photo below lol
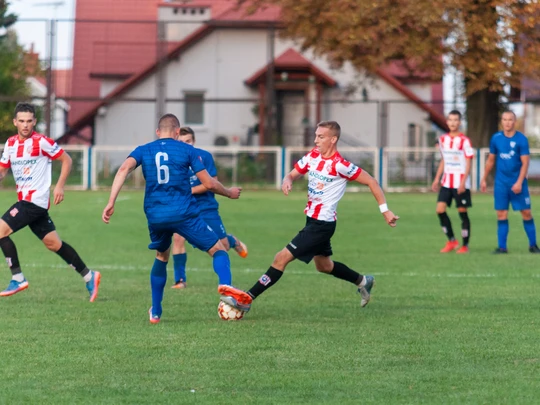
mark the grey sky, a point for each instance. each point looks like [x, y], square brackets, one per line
[35, 32]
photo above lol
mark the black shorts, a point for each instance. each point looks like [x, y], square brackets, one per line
[313, 240]
[24, 213]
[446, 195]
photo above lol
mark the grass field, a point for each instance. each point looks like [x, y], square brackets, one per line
[441, 329]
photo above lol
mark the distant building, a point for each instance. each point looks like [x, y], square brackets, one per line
[213, 52]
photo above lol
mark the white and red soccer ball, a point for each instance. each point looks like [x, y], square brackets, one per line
[228, 313]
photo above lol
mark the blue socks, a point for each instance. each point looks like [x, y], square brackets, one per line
[158, 279]
[232, 241]
[530, 230]
[222, 267]
[502, 232]
[180, 267]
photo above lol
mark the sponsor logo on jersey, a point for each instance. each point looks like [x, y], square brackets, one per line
[22, 162]
[507, 156]
[22, 178]
[27, 171]
[320, 186]
[315, 192]
[321, 177]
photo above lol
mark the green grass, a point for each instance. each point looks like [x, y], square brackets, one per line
[441, 329]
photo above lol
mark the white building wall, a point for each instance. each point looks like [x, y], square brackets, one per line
[219, 64]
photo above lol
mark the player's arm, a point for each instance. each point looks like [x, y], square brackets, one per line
[3, 172]
[66, 162]
[525, 160]
[212, 184]
[490, 162]
[436, 181]
[286, 185]
[462, 185]
[366, 179]
[200, 189]
[127, 167]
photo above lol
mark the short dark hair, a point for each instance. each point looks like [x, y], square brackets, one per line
[333, 125]
[455, 112]
[187, 131]
[507, 111]
[169, 119]
[24, 107]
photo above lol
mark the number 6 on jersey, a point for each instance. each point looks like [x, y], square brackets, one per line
[162, 169]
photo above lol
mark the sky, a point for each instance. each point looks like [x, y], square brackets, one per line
[35, 32]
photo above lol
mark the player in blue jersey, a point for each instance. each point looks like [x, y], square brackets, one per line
[209, 213]
[509, 150]
[169, 205]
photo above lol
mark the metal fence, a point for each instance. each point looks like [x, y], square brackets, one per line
[254, 168]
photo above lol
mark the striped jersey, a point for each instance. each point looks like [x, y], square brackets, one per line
[166, 167]
[327, 179]
[30, 161]
[455, 151]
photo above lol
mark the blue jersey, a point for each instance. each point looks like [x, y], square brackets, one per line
[206, 201]
[166, 165]
[508, 152]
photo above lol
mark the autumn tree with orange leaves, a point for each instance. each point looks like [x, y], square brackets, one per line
[494, 44]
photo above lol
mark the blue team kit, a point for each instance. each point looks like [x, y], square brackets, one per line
[168, 203]
[508, 152]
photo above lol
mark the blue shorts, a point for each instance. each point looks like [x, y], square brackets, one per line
[213, 220]
[194, 230]
[504, 196]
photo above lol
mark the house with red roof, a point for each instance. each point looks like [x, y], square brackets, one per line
[212, 65]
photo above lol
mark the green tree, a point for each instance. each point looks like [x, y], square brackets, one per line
[493, 43]
[13, 72]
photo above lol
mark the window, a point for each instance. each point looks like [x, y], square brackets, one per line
[414, 135]
[194, 108]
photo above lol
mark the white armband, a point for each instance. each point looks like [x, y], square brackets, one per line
[383, 208]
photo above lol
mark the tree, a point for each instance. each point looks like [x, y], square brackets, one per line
[493, 43]
[13, 72]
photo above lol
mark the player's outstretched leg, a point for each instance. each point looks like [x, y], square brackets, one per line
[235, 297]
[339, 270]
[180, 261]
[365, 290]
[222, 267]
[72, 258]
[18, 283]
[238, 245]
[158, 279]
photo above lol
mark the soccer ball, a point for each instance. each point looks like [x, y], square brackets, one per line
[228, 313]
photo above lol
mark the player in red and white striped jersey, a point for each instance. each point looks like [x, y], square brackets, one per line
[455, 168]
[328, 173]
[29, 155]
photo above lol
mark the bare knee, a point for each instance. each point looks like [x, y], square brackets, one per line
[441, 208]
[179, 244]
[218, 246]
[52, 241]
[282, 258]
[163, 256]
[502, 215]
[526, 215]
[225, 243]
[325, 265]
